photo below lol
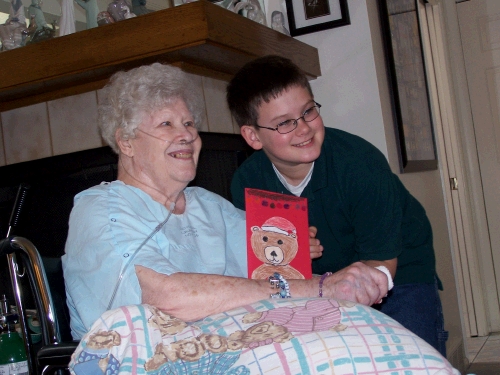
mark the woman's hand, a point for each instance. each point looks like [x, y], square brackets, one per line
[315, 247]
[357, 283]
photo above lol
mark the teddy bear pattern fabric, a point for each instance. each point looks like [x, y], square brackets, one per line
[287, 336]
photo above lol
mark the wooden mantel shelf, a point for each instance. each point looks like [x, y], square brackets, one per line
[201, 37]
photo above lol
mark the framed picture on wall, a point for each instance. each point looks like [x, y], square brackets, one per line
[309, 16]
[410, 94]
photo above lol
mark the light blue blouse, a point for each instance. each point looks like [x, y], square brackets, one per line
[109, 222]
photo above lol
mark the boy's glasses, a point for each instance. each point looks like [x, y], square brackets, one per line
[288, 126]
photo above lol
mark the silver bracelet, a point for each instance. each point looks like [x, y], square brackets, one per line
[278, 282]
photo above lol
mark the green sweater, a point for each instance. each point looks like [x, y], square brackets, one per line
[361, 209]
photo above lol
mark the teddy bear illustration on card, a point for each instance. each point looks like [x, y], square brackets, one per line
[275, 244]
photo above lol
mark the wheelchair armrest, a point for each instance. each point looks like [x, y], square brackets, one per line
[56, 354]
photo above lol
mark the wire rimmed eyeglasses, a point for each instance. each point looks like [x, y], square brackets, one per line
[288, 126]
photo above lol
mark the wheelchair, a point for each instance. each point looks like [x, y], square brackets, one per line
[54, 353]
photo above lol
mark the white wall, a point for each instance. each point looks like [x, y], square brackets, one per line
[348, 88]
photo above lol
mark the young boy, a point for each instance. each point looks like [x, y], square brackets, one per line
[365, 218]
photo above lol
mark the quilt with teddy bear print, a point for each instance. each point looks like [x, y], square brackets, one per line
[276, 336]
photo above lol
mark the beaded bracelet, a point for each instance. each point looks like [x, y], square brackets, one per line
[278, 282]
[323, 277]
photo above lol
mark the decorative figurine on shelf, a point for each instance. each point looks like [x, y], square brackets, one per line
[35, 34]
[228, 4]
[11, 31]
[120, 10]
[67, 23]
[37, 21]
[139, 7]
[91, 11]
[104, 18]
[35, 9]
[255, 13]
[278, 22]
[28, 32]
[251, 9]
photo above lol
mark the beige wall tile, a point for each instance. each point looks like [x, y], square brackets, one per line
[2, 149]
[218, 115]
[73, 123]
[26, 133]
[99, 95]
[199, 83]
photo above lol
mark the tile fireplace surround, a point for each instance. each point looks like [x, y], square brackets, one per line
[69, 124]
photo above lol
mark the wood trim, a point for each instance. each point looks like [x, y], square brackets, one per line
[204, 36]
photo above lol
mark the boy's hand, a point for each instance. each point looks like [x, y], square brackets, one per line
[314, 244]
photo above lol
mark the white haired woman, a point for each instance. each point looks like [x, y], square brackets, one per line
[147, 237]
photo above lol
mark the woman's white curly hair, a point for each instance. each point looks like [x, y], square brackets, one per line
[131, 95]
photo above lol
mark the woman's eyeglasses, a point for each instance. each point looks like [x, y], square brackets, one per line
[288, 126]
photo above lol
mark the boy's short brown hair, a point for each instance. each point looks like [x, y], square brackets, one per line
[260, 80]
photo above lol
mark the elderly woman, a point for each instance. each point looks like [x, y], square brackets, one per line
[147, 237]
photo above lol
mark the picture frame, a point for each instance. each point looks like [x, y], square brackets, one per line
[309, 16]
[408, 85]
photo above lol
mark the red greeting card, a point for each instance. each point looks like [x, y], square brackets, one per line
[277, 235]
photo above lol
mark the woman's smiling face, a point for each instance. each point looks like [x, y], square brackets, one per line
[167, 146]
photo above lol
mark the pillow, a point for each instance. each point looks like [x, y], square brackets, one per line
[276, 336]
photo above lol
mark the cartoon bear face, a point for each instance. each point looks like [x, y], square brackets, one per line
[263, 331]
[273, 248]
[213, 343]
[168, 325]
[103, 339]
[189, 350]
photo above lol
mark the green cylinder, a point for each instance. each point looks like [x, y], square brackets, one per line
[12, 354]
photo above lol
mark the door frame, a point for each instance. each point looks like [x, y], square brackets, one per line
[458, 154]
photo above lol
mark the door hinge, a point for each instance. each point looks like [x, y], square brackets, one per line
[454, 183]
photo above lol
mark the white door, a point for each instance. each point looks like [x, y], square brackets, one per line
[479, 22]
